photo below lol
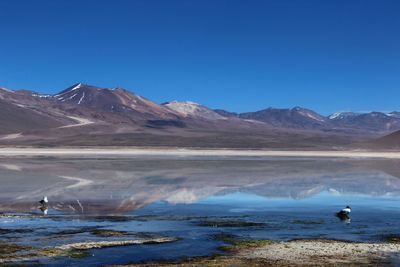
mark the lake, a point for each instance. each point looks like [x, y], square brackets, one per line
[191, 202]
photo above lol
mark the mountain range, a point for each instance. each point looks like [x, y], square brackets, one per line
[86, 115]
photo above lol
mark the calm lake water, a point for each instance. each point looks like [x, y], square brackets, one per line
[193, 199]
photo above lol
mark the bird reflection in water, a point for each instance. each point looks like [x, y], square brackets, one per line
[44, 205]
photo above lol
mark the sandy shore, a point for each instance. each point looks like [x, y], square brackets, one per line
[314, 252]
[190, 152]
[300, 253]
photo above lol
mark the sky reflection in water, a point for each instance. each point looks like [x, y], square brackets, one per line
[120, 186]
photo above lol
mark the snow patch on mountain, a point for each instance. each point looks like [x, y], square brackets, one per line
[342, 115]
[335, 115]
[41, 95]
[192, 109]
[82, 97]
[79, 85]
[394, 114]
[72, 96]
[309, 114]
[6, 90]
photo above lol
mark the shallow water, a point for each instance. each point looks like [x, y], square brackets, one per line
[193, 199]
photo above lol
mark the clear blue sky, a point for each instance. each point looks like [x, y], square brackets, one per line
[238, 55]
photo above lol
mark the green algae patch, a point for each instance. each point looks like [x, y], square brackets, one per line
[12, 253]
[392, 238]
[10, 249]
[92, 230]
[74, 231]
[55, 252]
[78, 254]
[108, 233]
[236, 244]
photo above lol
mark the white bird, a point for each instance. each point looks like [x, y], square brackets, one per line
[346, 210]
[343, 214]
[44, 201]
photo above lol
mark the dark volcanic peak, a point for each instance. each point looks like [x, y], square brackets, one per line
[72, 88]
[109, 99]
[85, 95]
[296, 117]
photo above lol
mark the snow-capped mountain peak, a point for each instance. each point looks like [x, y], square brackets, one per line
[79, 85]
[342, 115]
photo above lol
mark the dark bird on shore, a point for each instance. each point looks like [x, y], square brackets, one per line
[44, 201]
[343, 214]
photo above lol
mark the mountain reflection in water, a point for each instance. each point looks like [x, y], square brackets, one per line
[122, 185]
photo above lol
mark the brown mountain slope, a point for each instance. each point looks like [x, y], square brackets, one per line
[391, 141]
[296, 118]
[115, 100]
[15, 119]
[87, 115]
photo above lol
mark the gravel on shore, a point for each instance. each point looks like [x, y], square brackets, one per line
[299, 253]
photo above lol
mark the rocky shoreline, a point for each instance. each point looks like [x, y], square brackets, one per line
[15, 253]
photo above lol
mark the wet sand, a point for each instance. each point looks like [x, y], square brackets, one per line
[314, 252]
[115, 151]
[299, 253]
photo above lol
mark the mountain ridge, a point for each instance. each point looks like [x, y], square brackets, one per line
[117, 114]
